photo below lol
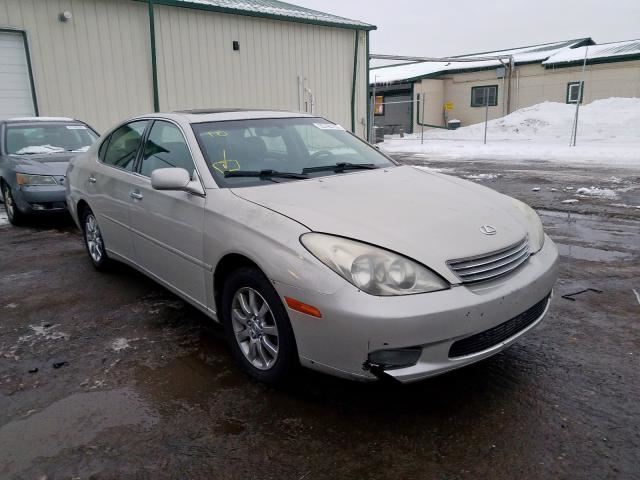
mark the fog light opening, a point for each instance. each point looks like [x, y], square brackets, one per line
[395, 358]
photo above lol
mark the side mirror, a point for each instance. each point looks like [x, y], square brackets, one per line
[175, 179]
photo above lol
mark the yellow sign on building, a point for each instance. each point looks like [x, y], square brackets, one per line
[448, 106]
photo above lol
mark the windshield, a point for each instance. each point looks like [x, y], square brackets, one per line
[33, 139]
[254, 152]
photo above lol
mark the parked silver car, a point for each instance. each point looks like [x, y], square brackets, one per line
[311, 246]
[34, 153]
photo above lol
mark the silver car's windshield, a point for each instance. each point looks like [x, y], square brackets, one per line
[35, 139]
[253, 152]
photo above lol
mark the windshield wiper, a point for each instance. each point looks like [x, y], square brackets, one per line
[264, 174]
[340, 167]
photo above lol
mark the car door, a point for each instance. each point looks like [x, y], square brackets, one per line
[167, 226]
[109, 183]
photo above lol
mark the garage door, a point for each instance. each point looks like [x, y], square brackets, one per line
[16, 99]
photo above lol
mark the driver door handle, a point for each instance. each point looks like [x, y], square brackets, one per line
[136, 195]
[92, 179]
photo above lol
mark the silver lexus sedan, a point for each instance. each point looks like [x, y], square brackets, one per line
[310, 246]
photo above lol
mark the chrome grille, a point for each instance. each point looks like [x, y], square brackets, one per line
[491, 265]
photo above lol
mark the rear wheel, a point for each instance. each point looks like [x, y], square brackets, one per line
[257, 327]
[15, 216]
[93, 240]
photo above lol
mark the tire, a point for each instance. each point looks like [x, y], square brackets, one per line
[93, 241]
[245, 325]
[15, 216]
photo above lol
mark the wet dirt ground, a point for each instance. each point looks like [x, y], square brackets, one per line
[145, 388]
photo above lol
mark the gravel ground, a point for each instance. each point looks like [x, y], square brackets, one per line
[145, 388]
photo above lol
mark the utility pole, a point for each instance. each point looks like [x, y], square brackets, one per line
[421, 106]
[486, 112]
[574, 131]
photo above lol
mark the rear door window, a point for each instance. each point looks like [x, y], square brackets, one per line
[124, 144]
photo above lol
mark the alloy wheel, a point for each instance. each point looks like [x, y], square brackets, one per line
[93, 238]
[255, 328]
[9, 204]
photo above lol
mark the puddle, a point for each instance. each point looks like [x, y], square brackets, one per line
[591, 254]
[68, 423]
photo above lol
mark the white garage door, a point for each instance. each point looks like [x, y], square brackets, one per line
[16, 99]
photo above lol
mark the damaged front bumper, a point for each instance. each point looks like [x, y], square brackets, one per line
[364, 337]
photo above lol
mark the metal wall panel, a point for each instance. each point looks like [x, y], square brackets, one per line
[97, 66]
[15, 83]
[94, 67]
[198, 68]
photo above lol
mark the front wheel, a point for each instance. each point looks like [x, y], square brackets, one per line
[93, 240]
[15, 216]
[257, 327]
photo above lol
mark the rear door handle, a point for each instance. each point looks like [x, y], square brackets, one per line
[136, 195]
[92, 179]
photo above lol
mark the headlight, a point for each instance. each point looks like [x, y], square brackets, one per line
[373, 270]
[534, 224]
[25, 179]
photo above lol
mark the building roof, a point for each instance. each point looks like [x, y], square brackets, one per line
[521, 55]
[605, 52]
[273, 9]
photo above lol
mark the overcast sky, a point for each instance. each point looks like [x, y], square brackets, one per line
[449, 27]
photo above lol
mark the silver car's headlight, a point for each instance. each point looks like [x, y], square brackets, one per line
[372, 269]
[534, 224]
[26, 179]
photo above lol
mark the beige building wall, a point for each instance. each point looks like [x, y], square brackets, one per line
[97, 66]
[197, 67]
[94, 67]
[530, 85]
[537, 84]
[457, 90]
[431, 92]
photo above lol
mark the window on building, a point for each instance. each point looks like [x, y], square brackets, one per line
[378, 108]
[166, 148]
[123, 146]
[574, 92]
[483, 95]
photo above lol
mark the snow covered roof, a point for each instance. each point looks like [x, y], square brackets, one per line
[270, 9]
[530, 54]
[604, 51]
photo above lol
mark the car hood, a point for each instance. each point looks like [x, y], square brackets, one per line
[426, 216]
[52, 164]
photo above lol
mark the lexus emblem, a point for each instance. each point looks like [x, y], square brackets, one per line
[488, 230]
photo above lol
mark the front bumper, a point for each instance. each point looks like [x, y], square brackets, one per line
[40, 198]
[354, 324]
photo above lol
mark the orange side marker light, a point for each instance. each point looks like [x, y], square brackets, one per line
[299, 306]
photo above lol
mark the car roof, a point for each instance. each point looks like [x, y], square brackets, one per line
[40, 119]
[225, 114]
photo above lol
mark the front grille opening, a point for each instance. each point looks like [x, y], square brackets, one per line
[489, 338]
[491, 265]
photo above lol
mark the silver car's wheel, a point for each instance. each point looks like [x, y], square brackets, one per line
[255, 328]
[93, 237]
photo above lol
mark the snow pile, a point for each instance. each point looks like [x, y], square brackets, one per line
[608, 133]
[597, 192]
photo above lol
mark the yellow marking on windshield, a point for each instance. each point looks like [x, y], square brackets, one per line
[226, 165]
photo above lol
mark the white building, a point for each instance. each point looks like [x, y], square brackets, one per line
[105, 60]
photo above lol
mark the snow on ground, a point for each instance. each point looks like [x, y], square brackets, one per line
[597, 192]
[4, 220]
[608, 134]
